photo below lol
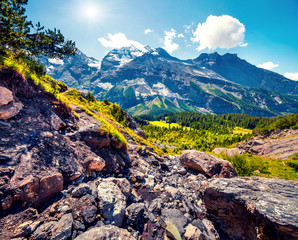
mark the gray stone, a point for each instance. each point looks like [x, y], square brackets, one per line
[176, 217]
[123, 184]
[199, 224]
[211, 231]
[81, 190]
[112, 202]
[250, 208]
[135, 214]
[106, 232]
[156, 205]
[89, 214]
[77, 225]
[63, 228]
[42, 232]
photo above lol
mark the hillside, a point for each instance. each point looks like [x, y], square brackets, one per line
[75, 168]
[150, 81]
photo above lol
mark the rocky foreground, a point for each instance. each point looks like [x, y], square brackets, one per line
[61, 179]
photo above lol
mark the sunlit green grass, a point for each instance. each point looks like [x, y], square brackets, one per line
[249, 165]
[167, 125]
[242, 130]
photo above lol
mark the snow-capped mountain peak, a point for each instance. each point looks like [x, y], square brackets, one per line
[118, 57]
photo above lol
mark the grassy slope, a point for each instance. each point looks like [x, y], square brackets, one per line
[246, 165]
[159, 106]
[177, 139]
[97, 109]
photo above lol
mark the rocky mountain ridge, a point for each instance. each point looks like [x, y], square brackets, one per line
[150, 81]
[63, 178]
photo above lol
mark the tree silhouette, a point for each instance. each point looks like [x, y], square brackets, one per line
[16, 33]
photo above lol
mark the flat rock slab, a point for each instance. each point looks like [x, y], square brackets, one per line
[253, 208]
[280, 144]
[106, 232]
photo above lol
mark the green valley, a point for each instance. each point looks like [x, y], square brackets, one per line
[174, 133]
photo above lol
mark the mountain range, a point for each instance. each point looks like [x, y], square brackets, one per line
[150, 81]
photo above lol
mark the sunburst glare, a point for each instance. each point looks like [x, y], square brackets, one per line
[91, 11]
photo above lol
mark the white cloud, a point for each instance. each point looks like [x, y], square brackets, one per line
[187, 27]
[244, 45]
[118, 40]
[148, 31]
[293, 76]
[219, 32]
[169, 45]
[268, 65]
[181, 35]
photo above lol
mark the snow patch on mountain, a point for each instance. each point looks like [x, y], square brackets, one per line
[122, 56]
[56, 61]
[95, 64]
[50, 69]
[106, 86]
[137, 81]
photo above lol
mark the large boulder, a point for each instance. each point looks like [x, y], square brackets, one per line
[10, 110]
[106, 232]
[253, 208]
[43, 231]
[5, 96]
[207, 164]
[93, 137]
[35, 190]
[49, 186]
[112, 202]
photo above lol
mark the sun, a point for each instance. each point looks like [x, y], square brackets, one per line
[90, 12]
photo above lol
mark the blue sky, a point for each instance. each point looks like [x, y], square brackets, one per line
[259, 31]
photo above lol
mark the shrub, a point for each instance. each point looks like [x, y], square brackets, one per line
[246, 164]
[164, 149]
[241, 165]
[293, 165]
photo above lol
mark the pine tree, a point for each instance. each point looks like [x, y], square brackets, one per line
[16, 33]
[13, 24]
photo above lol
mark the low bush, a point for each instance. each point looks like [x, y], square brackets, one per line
[245, 165]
